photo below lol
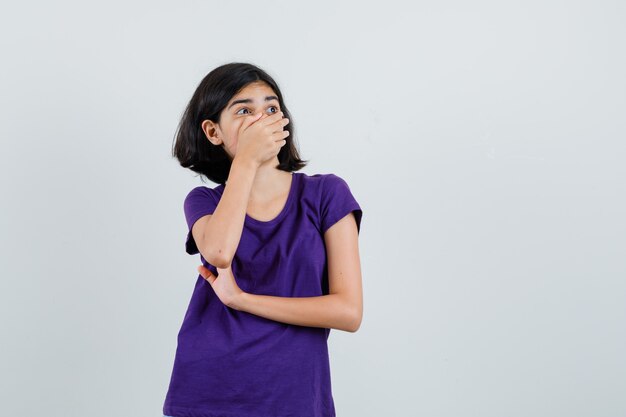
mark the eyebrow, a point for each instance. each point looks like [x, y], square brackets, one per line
[249, 100]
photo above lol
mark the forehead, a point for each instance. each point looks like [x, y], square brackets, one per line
[248, 95]
[254, 90]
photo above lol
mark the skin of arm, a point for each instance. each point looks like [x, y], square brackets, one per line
[225, 225]
[341, 309]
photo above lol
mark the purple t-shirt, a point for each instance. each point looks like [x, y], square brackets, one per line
[231, 363]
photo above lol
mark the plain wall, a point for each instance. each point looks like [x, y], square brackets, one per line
[485, 142]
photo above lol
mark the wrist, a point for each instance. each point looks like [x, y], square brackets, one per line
[243, 162]
[240, 301]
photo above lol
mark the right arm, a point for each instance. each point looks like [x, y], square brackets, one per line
[217, 236]
[225, 225]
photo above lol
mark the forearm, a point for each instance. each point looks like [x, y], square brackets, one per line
[226, 223]
[329, 311]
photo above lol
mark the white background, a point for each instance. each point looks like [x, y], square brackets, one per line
[485, 142]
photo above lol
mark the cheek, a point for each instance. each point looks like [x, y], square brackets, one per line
[229, 133]
[233, 132]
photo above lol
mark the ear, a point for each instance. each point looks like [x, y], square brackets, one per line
[212, 132]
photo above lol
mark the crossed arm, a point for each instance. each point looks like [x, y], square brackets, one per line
[341, 309]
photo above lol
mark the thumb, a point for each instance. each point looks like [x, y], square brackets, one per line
[206, 274]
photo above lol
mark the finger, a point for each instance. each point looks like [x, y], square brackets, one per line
[249, 120]
[273, 118]
[202, 271]
[280, 124]
[281, 136]
[206, 274]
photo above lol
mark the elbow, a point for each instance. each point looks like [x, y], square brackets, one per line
[222, 262]
[217, 257]
[355, 321]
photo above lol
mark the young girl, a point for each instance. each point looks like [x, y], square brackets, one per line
[280, 259]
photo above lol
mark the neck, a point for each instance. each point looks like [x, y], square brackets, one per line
[268, 181]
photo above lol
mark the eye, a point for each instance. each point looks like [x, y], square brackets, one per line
[246, 109]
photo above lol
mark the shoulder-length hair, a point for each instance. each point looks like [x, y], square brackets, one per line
[191, 146]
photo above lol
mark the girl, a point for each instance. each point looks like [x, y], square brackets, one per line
[280, 259]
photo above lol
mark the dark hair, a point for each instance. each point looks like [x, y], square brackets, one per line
[191, 146]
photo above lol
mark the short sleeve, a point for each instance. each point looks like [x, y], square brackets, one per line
[337, 202]
[199, 202]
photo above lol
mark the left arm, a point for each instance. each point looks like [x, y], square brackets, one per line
[330, 311]
[341, 309]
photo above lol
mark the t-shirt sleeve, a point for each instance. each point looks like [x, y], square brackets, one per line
[199, 202]
[337, 202]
